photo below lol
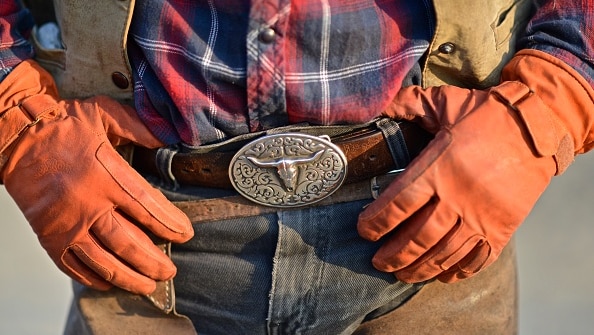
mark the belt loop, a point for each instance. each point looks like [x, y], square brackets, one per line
[163, 160]
[395, 140]
[374, 187]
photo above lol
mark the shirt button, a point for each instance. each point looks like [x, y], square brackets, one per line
[120, 80]
[267, 35]
[447, 48]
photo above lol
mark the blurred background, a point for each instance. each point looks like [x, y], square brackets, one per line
[555, 247]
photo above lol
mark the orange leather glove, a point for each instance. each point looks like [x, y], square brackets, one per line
[87, 206]
[456, 206]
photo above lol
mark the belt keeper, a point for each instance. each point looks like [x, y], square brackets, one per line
[163, 160]
[374, 187]
[395, 141]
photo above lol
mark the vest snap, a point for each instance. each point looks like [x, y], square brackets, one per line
[447, 48]
[120, 80]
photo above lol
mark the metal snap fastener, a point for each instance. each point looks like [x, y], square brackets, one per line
[120, 80]
[447, 48]
[267, 35]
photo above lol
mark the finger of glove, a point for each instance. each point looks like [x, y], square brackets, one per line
[110, 268]
[416, 104]
[79, 271]
[119, 122]
[407, 194]
[388, 212]
[133, 246]
[415, 238]
[434, 107]
[448, 254]
[144, 204]
[476, 260]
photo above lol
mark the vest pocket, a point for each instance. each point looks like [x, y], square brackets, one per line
[53, 60]
[509, 20]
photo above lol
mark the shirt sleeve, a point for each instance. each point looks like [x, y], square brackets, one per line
[15, 26]
[564, 29]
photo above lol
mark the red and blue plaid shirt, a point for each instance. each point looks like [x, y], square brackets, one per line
[222, 68]
[15, 26]
[208, 70]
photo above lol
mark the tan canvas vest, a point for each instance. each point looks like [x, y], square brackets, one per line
[94, 34]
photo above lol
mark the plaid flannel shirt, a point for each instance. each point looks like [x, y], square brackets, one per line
[207, 70]
[221, 68]
[15, 26]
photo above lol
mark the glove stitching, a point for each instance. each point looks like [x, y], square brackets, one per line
[131, 237]
[109, 273]
[411, 183]
[135, 198]
[414, 267]
[79, 252]
[587, 90]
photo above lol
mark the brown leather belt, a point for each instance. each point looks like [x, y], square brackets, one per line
[366, 151]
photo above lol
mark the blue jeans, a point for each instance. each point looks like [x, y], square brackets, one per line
[302, 271]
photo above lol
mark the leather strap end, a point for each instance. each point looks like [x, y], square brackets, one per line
[17, 119]
[548, 136]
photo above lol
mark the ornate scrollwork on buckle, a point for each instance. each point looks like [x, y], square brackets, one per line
[288, 170]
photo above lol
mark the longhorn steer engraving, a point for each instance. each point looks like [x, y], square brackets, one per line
[286, 167]
[288, 170]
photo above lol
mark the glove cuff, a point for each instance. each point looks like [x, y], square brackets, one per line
[23, 103]
[553, 101]
[547, 135]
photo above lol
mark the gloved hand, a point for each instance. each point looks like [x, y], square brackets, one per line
[456, 206]
[87, 206]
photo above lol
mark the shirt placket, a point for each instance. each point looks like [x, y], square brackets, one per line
[266, 99]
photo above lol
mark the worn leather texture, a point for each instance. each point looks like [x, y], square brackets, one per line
[566, 110]
[87, 206]
[120, 312]
[366, 151]
[482, 305]
[495, 151]
[485, 304]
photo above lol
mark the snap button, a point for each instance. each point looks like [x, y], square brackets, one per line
[267, 35]
[120, 80]
[447, 48]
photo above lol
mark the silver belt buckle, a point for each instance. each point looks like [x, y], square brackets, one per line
[288, 170]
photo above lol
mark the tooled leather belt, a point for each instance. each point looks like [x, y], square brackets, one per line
[366, 151]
